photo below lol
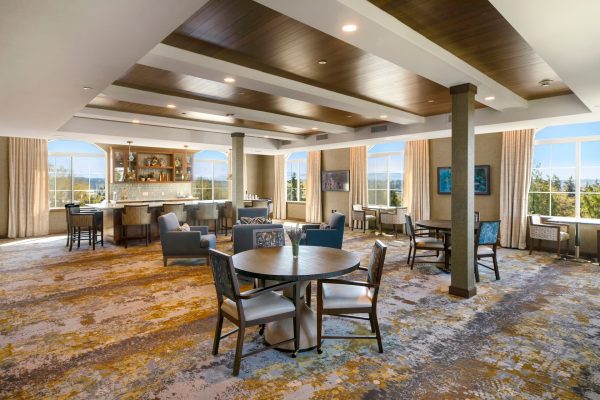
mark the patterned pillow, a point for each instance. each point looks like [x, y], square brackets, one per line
[323, 225]
[250, 220]
[183, 228]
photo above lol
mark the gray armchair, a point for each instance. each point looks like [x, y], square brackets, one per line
[177, 244]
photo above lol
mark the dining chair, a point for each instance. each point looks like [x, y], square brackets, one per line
[362, 217]
[395, 217]
[476, 216]
[68, 206]
[341, 297]
[136, 215]
[542, 230]
[251, 308]
[227, 216]
[176, 208]
[206, 214]
[424, 243]
[84, 225]
[486, 243]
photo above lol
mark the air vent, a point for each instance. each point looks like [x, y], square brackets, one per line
[379, 128]
[322, 137]
[286, 142]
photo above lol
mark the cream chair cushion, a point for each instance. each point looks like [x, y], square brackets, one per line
[429, 242]
[484, 251]
[266, 305]
[338, 296]
[564, 236]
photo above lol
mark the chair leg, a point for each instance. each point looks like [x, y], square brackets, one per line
[165, 261]
[93, 229]
[412, 262]
[146, 230]
[558, 248]
[238, 350]
[78, 237]
[496, 270]
[218, 329]
[71, 237]
[476, 269]
[364, 226]
[319, 317]
[530, 245]
[308, 294]
[396, 231]
[409, 253]
[377, 332]
[371, 321]
[125, 234]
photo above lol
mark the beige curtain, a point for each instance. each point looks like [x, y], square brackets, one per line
[28, 204]
[229, 176]
[515, 177]
[358, 177]
[246, 176]
[416, 179]
[313, 188]
[280, 194]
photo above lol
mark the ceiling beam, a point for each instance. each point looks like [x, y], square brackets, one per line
[127, 117]
[184, 103]
[382, 35]
[189, 63]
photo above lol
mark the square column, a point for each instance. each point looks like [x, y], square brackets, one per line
[463, 171]
[237, 171]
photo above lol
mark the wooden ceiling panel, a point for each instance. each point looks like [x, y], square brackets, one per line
[247, 33]
[474, 31]
[166, 82]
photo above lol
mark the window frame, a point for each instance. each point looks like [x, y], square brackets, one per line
[388, 156]
[297, 161]
[71, 156]
[198, 192]
[577, 140]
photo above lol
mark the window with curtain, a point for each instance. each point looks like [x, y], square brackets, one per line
[385, 172]
[76, 173]
[565, 176]
[295, 175]
[210, 175]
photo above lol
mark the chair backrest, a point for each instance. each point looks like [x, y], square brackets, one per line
[410, 229]
[207, 211]
[224, 275]
[476, 216]
[337, 221]
[357, 207]
[535, 219]
[252, 212]
[260, 204]
[80, 220]
[273, 237]
[396, 218]
[228, 209]
[136, 214]
[488, 232]
[376, 261]
[167, 223]
[177, 208]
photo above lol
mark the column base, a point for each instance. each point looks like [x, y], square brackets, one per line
[466, 293]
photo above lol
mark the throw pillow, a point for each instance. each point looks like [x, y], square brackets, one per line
[323, 225]
[184, 228]
[250, 220]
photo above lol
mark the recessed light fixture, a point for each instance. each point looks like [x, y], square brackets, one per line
[489, 98]
[349, 28]
[383, 116]
[314, 128]
[135, 121]
[322, 62]
[267, 137]
[349, 116]
[229, 114]
[546, 82]
[87, 88]
[242, 93]
[183, 113]
[431, 101]
[171, 106]
[229, 79]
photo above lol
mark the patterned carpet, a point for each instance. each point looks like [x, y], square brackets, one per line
[115, 323]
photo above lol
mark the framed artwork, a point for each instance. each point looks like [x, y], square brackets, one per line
[335, 181]
[482, 180]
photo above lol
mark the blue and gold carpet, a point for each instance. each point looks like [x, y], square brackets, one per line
[115, 323]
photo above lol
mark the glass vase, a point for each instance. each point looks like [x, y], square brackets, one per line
[295, 249]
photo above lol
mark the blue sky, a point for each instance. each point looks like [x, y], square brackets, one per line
[563, 154]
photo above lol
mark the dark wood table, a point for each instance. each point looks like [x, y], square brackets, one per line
[444, 226]
[278, 264]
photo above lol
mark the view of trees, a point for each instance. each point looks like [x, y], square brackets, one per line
[296, 176]
[385, 175]
[296, 190]
[85, 185]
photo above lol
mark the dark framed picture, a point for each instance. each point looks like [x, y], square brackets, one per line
[482, 180]
[335, 181]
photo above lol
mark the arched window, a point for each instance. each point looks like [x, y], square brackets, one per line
[295, 176]
[565, 175]
[76, 173]
[210, 175]
[386, 174]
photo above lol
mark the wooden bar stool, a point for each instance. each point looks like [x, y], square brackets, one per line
[176, 208]
[136, 215]
[207, 213]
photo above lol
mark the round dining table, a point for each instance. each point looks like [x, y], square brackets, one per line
[278, 263]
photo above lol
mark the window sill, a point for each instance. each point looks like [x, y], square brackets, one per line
[295, 202]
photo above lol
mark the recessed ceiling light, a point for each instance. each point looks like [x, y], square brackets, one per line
[229, 79]
[490, 98]
[349, 116]
[136, 121]
[242, 93]
[383, 116]
[267, 137]
[349, 28]
[229, 114]
[314, 128]
[171, 106]
[87, 88]
[431, 101]
[546, 82]
[322, 62]
[183, 113]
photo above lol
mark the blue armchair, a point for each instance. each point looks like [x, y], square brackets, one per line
[332, 237]
[178, 244]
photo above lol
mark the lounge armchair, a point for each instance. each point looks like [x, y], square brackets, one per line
[330, 237]
[179, 244]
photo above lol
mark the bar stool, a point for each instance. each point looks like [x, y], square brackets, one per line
[260, 204]
[227, 216]
[136, 215]
[176, 208]
[207, 212]
[84, 225]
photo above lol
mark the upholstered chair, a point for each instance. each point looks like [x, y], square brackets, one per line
[227, 216]
[331, 236]
[67, 207]
[476, 216]
[362, 217]
[252, 308]
[542, 230]
[342, 297]
[486, 242]
[260, 204]
[421, 243]
[208, 213]
[194, 243]
[136, 215]
[395, 217]
[176, 208]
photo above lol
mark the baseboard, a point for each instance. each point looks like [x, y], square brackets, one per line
[466, 293]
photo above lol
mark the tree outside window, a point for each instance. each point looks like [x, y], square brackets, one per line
[385, 174]
[296, 176]
[210, 175]
[76, 173]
